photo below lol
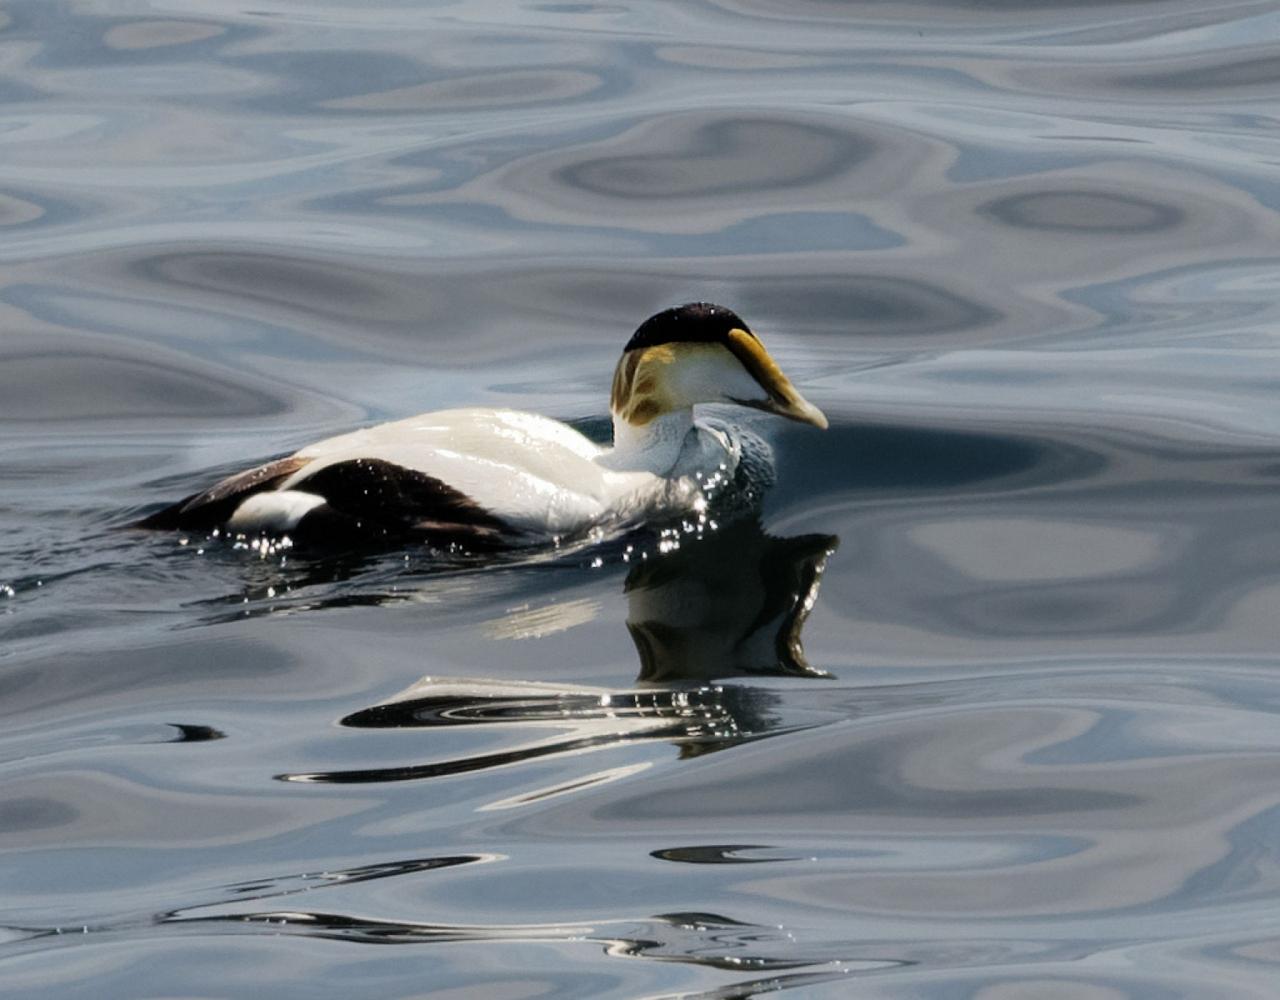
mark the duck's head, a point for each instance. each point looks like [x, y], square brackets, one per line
[701, 353]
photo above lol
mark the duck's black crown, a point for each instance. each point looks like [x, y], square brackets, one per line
[691, 323]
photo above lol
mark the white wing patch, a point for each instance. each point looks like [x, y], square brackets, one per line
[273, 510]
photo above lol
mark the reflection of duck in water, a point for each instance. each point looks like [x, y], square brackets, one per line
[730, 604]
[506, 477]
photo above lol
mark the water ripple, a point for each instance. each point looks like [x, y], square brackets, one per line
[1023, 255]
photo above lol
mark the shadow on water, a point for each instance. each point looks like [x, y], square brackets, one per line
[731, 604]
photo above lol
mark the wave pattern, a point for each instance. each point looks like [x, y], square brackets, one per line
[981, 702]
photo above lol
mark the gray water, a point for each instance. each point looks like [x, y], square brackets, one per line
[981, 703]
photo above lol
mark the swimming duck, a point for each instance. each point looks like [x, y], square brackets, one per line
[497, 476]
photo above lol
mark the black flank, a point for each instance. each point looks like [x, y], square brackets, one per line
[384, 497]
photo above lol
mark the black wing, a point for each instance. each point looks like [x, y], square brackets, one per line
[212, 507]
[362, 496]
[373, 494]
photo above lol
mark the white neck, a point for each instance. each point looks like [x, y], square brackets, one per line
[652, 447]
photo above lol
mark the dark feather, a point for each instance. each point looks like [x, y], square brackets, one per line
[373, 494]
[693, 322]
[216, 504]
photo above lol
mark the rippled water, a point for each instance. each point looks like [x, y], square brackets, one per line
[983, 704]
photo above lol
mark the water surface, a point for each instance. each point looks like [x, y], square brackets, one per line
[982, 700]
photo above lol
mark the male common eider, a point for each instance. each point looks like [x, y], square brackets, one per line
[505, 477]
